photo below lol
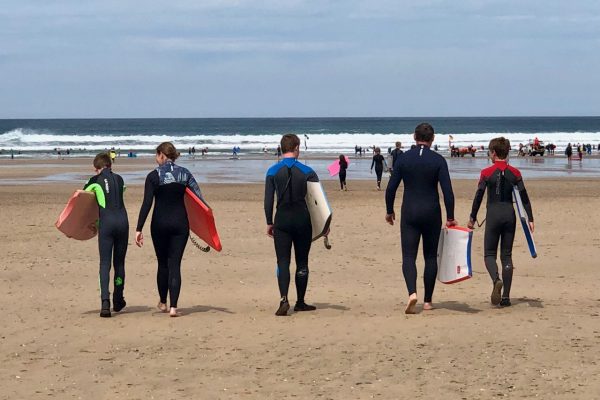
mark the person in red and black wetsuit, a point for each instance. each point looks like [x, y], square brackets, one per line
[499, 179]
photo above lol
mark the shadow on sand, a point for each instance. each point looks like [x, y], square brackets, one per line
[535, 303]
[201, 308]
[126, 310]
[456, 306]
[324, 306]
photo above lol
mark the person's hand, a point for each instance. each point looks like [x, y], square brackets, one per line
[371, 172]
[531, 226]
[139, 239]
[270, 230]
[471, 224]
[390, 218]
[451, 222]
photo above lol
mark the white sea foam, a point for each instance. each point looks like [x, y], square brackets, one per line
[46, 141]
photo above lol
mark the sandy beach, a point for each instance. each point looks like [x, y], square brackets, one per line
[357, 345]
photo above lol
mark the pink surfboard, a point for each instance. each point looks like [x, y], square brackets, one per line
[201, 220]
[78, 219]
[334, 167]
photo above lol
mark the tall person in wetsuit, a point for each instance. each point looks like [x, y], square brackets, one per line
[113, 231]
[378, 162]
[422, 170]
[499, 179]
[169, 228]
[287, 181]
[342, 173]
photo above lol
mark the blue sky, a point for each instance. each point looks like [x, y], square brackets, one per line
[241, 58]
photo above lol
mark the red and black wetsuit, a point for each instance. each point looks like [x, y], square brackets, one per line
[500, 179]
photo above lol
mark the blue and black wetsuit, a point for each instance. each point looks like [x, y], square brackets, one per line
[287, 180]
[113, 231]
[169, 227]
[422, 171]
[499, 179]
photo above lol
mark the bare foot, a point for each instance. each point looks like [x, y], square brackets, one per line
[410, 306]
[427, 306]
[162, 307]
[173, 313]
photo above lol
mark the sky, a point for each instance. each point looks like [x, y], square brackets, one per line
[280, 58]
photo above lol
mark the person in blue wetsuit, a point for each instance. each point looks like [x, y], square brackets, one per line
[499, 179]
[170, 227]
[422, 170]
[287, 180]
[113, 231]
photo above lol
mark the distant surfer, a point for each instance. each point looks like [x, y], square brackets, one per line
[569, 152]
[422, 171]
[378, 162]
[396, 153]
[113, 231]
[287, 180]
[170, 227]
[499, 180]
[342, 173]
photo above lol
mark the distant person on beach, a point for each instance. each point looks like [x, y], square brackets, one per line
[569, 152]
[113, 155]
[287, 180]
[499, 180]
[169, 228]
[379, 163]
[421, 217]
[580, 151]
[396, 153]
[113, 231]
[342, 173]
[278, 152]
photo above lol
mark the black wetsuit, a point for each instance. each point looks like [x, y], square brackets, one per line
[169, 227]
[421, 216]
[378, 161]
[287, 180]
[113, 230]
[342, 173]
[395, 154]
[499, 179]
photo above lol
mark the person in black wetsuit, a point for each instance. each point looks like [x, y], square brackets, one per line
[342, 173]
[499, 179]
[287, 180]
[113, 231]
[378, 162]
[169, 228]
[396, 153]
[422, 171]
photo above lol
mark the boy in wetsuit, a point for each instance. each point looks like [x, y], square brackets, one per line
[113, 231]
[287, 180]
[499, 179]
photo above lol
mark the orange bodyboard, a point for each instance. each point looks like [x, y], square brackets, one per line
[78, 219]
[201, 220]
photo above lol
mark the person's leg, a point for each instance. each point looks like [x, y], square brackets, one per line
[506, 245]
[177, 245]
[283, 252]
[431, 238]
[161, 248]
[490, 252]
[409, 238]
[119, 253]
[302, 242]
[379, 173]
[105, 247]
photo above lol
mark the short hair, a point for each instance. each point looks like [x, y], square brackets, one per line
[398, 144]
[168, 149]
[500, 146]
[102, 160]
[424, 132]
[289, 142]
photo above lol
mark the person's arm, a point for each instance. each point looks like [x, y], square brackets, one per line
[193, 185]
[446, 185]
[372, 163]
[477, 200]
[269, 198]
[150, 185]
[390, 193]
[525, 199]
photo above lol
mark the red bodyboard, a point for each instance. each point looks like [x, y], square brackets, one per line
[78, 219]
[201, 220]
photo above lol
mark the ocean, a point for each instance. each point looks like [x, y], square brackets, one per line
[39, 138]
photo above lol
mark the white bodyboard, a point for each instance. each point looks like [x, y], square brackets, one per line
[319, 209]
[454, 255]
[525, 223]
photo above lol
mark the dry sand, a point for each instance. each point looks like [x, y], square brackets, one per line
[357, 345]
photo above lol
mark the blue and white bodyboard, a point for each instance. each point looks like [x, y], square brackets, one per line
[524, 222]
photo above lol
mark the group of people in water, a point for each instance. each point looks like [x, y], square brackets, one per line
[288, 219]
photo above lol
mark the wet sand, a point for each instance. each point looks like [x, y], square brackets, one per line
[357, 345]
